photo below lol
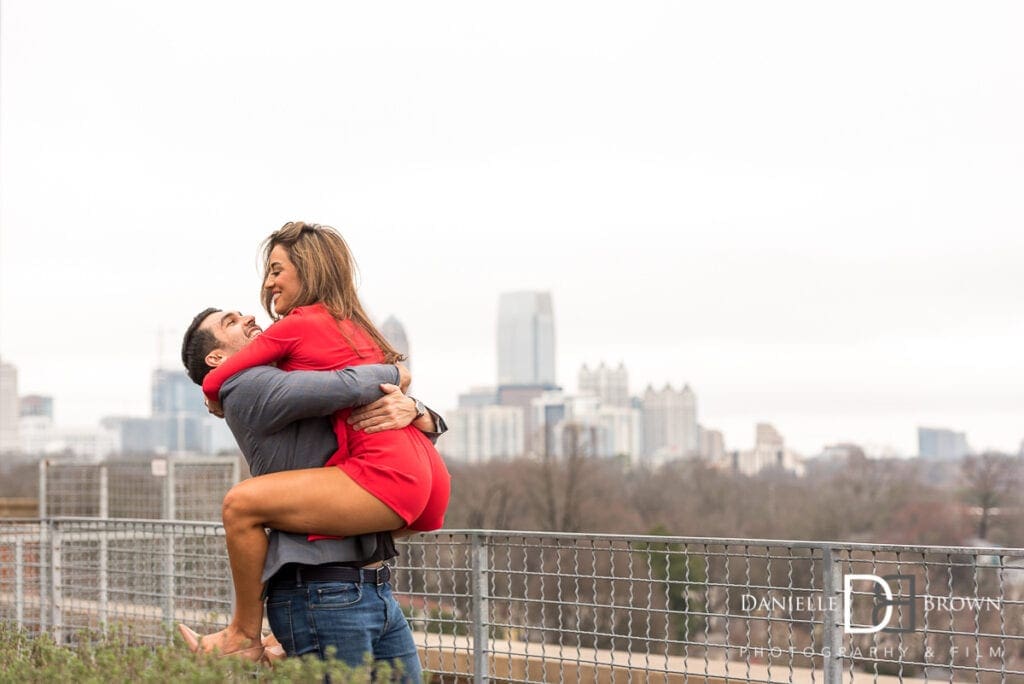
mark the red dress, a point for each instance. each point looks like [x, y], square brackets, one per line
[399, 467]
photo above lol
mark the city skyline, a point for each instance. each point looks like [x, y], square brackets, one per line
[814, 227]
[634, 390]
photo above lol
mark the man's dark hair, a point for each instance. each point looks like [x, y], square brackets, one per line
[196, 345]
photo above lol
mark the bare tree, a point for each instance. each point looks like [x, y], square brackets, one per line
[989, 479]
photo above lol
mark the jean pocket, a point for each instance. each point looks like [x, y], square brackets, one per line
[335, 595]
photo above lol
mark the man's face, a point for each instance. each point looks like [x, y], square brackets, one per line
[232, 330]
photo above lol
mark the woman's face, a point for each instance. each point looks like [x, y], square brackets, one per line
[282, 280]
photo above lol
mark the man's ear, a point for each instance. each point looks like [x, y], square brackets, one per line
[215, 358]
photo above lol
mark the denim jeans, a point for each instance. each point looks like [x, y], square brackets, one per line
[355, 618]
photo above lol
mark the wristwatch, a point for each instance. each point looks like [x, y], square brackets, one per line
[421, 410]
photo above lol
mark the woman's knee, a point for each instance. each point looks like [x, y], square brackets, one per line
[241, 504]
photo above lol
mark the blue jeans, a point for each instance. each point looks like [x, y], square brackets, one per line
[355, 618]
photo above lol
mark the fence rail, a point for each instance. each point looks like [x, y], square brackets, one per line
[529, 607]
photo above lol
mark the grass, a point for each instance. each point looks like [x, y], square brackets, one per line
[113, 657]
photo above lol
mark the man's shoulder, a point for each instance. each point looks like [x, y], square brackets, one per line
[247, 385]
[251, 376]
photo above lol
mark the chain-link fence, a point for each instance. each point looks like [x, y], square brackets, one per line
[532, 607]
[172, 488]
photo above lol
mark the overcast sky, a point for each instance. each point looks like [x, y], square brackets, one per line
[813, 214]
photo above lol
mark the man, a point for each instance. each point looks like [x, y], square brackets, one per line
[281, 421]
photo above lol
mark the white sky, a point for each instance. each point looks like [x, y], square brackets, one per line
[813, 214]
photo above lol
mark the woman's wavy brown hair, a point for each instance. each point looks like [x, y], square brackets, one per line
[326, 271]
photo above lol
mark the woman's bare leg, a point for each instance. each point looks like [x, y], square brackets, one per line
[318, 500]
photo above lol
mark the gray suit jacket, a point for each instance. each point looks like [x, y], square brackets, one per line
[281, 422]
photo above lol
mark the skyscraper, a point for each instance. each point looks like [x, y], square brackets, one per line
[9, 408]
[483, 432]
[670, 423]
[712, 446]
[178, 412]
[610, 385]
[36, 429]
[526, 339]
[393, 330]
[940, 443]
[33, 405]
[769, 452]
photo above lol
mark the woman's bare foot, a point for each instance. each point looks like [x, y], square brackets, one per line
[226, 642]
[272, 650]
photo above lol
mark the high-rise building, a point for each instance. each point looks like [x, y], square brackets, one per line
[544, 416]
[135, 435]
[670, 424]
[36, 429]
[712, 447]
[526, 339]
[393, 330]
[36, 405]
[536, 436]
[612, 430]
[940, 443]
[585, 423]
[180, 421]
[610, 385]
[173, 394]
[482, 433]
[769, 452]
[843, 452]
[478, 396]
[9, 408]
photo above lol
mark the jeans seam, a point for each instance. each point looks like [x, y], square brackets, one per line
[314, 636]
[384, 604]
[287, 607]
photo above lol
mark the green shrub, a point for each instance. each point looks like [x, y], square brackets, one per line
[112, 657]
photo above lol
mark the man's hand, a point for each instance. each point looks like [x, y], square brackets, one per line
[391, 412]
[404, 377]
[215, 408]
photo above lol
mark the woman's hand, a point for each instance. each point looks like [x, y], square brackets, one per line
[404, 377]
[215, 408]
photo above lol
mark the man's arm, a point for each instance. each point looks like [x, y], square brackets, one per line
[274, 398]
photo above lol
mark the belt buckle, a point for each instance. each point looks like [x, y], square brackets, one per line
[379, 578]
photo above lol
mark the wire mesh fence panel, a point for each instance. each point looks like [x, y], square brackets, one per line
[136, 490]
[139, 576]
[953, 615]
[23, 576]
[587, 608]
[173, 488]
[70, 490]
[200, 486]
[546, 607]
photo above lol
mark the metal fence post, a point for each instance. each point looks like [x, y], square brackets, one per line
[169, 514]
[56, 590]
[104, 546]
[44, 585]
[481, 612]
[831, 585]
[19, 582]
[43, 463]
[43, 544]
